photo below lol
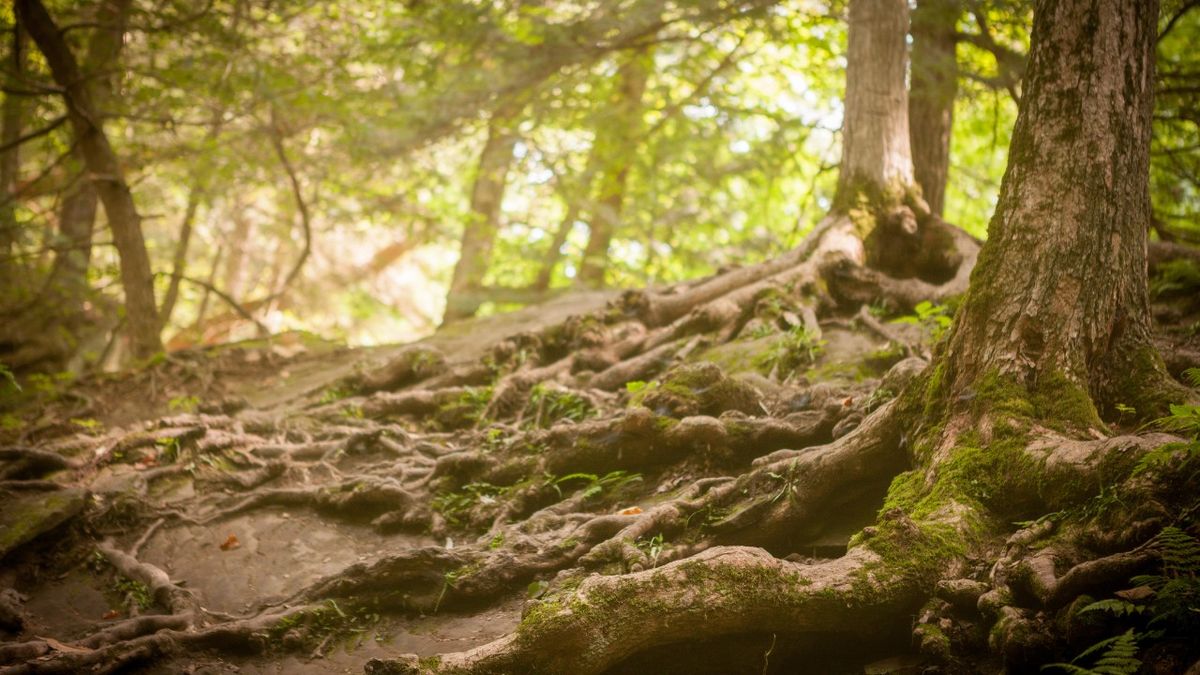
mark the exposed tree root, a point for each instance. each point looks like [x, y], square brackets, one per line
[681, 510]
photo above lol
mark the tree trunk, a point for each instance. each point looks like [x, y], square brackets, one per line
[616, 146]
[931, 99]
[876, 155]
[105, 172]
[77, 214]
[1075, 208]
[10, 159]
[73, 248]
[479, 235]
[179, 263]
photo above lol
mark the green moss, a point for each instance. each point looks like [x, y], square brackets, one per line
[1056, 398]
[1144, 385]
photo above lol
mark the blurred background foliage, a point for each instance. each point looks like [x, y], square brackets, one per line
[244, 124]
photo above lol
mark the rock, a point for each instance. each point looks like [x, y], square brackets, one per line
[27, 516]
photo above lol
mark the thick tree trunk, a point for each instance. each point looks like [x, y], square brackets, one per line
[615, 146]
[931, 99]
[1074, 207]
[105, 172]
[876, 155]
[479, 235]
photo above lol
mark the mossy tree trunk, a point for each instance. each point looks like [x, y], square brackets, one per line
[487, 194]
[1060, 291]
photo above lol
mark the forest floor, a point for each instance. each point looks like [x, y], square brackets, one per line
[326, 506]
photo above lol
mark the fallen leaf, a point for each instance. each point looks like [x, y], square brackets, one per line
[631, 511]
[111, 614]
[231, 542]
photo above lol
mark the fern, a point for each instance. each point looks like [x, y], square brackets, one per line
[1118, 656]
[1183, 419]
[1192, 377]
[1176, 276]
[1180, 552]
[1115, 607]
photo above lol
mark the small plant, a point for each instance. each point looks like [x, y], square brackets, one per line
[548, 405]
[934, 319]
[1183, 419]
[652, 547]
[185, 404]
[454, 506]
[136, 591]
[1125, 412]
[797, 348]
[1192, 377]
[7, 376]
[1117, 656]
[333, 394]
[169, 448]
[594, 485]
[638, 386]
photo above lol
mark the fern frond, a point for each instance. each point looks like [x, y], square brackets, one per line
[1114, 606]
[1118, 656]
[1192, 377]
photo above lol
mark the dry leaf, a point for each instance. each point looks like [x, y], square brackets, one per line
[631, 511]
[231, 542]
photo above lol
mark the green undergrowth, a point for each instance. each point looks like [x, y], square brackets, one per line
[465, 410]
[796, 348]
[323, 624]
[548, 405]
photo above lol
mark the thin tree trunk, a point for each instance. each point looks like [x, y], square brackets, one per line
[1074, 206]
[235, 261]
[10, 159]
[554, 253]
[479, 235]
[73, 247]
[575, 201]
[179, 264]
[106, 174]
[876, 155]
[931, 99]
[616, 145]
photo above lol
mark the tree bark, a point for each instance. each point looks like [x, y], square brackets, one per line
[106, 174]
[479, 235]
[616, 146]
[10, 159]
[931, 99]
[1074, 207]
[77, 214]
[875, 142]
